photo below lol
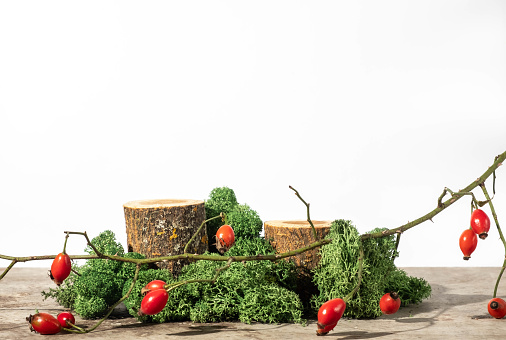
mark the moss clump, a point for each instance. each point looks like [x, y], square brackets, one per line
[411, 290]
[337, 273]
[270, 304]
[241, 217]
[245, 221]
[65, 294]
[221, 200]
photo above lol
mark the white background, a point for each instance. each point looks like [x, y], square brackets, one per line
[368, 108]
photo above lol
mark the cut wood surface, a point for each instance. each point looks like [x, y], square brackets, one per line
[163, 227]
[290, 235]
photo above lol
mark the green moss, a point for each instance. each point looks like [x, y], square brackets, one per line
[221, 200]
[127, 270]
[270, 304]
[103, 285]
[90, 307]
[411, 290]
[250, 246]
[100, 282]
[65, 294]
[229, 298]
[106, 243]
[337, 273]
[245, 221]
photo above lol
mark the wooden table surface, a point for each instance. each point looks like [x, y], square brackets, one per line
[457, 309]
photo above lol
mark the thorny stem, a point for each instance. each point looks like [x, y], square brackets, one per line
[15, 260]
[196, 257]
[492, 209]
[307, 209]
[199, 229]
[474, 202]
[50, 257]
[441, 205]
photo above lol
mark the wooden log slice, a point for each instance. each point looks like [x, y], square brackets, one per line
[164, 227]
[290, 235]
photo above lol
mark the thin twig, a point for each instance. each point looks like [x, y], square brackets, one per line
[87, 241]
[9, 267]
[65, 243]
[307, 209]
[221, 215]
[494, 215]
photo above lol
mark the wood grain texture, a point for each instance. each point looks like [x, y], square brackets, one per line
[289, 235]
[164, 227]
